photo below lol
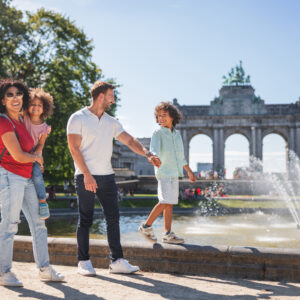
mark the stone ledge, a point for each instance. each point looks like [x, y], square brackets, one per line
[242, 262]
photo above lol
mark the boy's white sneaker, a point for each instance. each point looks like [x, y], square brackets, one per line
[148, 233]
[171, 238]
[49, 274]
[9, 279]
[122, 265]
[85, 268]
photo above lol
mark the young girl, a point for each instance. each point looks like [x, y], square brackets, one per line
[40, 107]
[167, 144]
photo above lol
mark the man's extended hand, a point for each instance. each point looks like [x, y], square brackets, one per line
[90, 183]
[154, 160]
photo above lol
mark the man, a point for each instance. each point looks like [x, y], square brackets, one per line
[90, 137]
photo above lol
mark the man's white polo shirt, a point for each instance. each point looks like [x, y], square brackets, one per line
[97, 139]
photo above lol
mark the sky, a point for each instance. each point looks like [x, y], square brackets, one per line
[160, 50]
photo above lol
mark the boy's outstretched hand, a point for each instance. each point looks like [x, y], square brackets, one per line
[192, 176]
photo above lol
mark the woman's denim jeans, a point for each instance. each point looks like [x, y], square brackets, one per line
[18, 193]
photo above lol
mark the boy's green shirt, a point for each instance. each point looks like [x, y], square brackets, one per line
[168, 146]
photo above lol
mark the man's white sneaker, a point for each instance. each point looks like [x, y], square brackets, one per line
[9, 279]
[148, 233]
[85, 268]
[49, 274]
[122, 265]
[171, 238]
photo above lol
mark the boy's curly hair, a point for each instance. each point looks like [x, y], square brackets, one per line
[5, 84]
[46, 99]
[173, 111]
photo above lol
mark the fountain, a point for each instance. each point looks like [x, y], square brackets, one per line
[260, 243]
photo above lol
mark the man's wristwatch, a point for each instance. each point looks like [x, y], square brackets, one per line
[149, 153]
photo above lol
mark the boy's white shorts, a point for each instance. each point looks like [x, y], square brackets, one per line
[168, 190]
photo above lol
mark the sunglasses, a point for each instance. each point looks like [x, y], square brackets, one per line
[12, 95]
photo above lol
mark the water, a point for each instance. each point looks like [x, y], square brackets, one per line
[282, 186]
[213, 225]
[253, 230]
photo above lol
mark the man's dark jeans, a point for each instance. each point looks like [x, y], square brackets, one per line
[107, 194]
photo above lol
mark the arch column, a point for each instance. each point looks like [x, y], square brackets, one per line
[186, 145]
[215, 148]
[291, 146]
[253, 142]
[221, 149]
[259, 145]
[291, 140]
[297, 141]
[255, 149]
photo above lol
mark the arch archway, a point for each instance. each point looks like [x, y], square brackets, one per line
[237, 153]
[275, 153]
[201, 152]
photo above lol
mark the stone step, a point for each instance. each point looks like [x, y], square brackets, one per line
[241, 262]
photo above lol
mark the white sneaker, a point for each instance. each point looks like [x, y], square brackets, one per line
[122, 265]
[9, 279]
[49, 274]
[85, 268]
[171, 238]
[148, 233]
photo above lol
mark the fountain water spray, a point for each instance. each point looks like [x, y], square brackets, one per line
[283, 186]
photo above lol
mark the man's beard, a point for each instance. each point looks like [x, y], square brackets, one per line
[107, 107]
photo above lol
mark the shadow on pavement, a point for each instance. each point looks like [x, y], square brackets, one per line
[170, 290]
[69, 293]
[284, 289]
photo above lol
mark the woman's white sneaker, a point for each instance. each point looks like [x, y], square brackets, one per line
[9, 279]
[171, 238]
[49, 274]
[122, 265]
[85, 268]
[148, 233]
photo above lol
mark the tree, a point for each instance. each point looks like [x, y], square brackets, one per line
[14, 41]
[49, 51]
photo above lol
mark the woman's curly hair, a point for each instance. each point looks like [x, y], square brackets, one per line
[46, 99]
[5, 84]
[173, 111]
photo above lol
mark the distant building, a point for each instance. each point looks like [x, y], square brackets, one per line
[124, 158]
[204, 167]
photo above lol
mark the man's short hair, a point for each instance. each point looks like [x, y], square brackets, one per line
[100, 87]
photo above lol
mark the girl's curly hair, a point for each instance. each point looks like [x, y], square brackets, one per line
[5, 84]
[46, 99]
[173, 111]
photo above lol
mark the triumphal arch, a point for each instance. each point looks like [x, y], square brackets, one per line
[238, 110]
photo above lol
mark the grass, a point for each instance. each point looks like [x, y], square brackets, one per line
[252, 204]
[133, 202]
[150, 200]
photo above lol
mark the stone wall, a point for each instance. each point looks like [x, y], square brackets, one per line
[148, 184]
[241, 262]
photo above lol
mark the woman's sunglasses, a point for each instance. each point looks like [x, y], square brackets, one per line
[12, 95]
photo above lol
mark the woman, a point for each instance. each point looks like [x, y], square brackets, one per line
[16, 187]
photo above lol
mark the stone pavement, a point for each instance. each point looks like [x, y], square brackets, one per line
[143, 285]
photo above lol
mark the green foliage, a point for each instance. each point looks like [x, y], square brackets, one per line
[46, 49]
[14, 40]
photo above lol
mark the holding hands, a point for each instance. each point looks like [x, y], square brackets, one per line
[153, 159]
